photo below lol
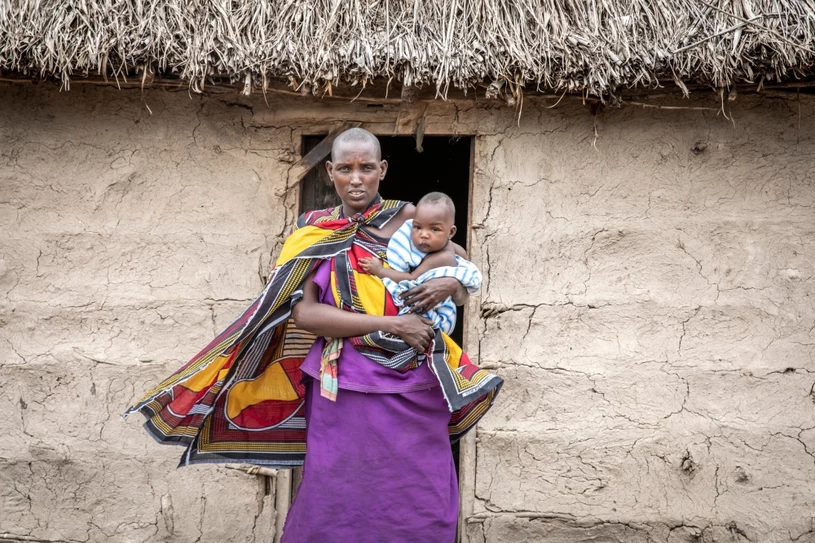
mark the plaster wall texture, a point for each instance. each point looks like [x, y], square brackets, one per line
[650, 305]
[129, 239]
[648, 299]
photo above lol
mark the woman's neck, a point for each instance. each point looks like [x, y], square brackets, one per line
[348, 212]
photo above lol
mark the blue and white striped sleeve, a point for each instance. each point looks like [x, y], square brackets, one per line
[399, 248]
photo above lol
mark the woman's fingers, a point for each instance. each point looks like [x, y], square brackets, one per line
[430, 294]
[415, 332]
[408, 296]
[419, 299]
[422, 301]
[419, 304]
[421, 345]
[424, 342]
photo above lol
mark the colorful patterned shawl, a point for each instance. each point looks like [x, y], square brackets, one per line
[241, 400]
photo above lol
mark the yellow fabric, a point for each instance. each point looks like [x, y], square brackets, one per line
[272, 383]
[208, 375]
[301, 240]
[453, 350]
[371, 292]
[335, 292]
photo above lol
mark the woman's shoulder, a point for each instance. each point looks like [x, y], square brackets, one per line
[406, 213]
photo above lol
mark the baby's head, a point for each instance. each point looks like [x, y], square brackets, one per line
[433, 225]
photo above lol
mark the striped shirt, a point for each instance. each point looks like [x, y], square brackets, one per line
[404, 256]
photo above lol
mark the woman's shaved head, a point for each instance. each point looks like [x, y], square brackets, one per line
[356, 135]
[356, 168]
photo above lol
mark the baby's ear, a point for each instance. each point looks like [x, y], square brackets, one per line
[452, 231]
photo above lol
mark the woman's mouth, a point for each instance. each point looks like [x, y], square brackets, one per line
[356, 193]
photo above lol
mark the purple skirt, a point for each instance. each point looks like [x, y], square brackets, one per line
[378, 468]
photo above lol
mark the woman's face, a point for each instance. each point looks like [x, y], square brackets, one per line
[356, 171]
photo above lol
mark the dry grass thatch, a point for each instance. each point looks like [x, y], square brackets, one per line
[590, 46]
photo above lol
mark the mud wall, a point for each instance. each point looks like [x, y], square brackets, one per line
[648, 301]
[651, 299]
[129, 239]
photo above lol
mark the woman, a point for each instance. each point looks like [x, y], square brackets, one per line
[377, 420]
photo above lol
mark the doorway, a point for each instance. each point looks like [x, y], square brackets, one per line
[444, 165]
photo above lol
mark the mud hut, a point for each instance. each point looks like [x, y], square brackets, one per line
[633, 177]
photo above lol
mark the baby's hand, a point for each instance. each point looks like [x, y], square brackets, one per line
[371, 265]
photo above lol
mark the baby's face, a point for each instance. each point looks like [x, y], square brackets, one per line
[432, 227]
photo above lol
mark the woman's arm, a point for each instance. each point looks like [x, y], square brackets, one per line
[431, 293]
[327, 321]
[461, 295]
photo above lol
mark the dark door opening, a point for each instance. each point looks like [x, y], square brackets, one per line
[444, 165]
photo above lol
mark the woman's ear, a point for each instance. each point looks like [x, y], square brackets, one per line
[329, 167]
[383, 165]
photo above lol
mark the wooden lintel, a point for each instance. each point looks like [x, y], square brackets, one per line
[408, 119]
[411, 113]
[317, 155]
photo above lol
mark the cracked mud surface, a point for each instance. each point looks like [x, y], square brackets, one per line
[648, 299]
[128, 242]
[654, 323]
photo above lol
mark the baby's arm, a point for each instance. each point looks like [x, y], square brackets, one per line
[375, 267]
[444, 257]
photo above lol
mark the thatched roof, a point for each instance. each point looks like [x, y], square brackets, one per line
[590, 46]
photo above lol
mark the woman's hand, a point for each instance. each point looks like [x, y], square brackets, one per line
[413, 330]
[431, 293]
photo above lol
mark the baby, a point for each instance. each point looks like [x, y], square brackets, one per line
[422, 249]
